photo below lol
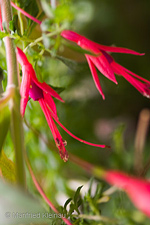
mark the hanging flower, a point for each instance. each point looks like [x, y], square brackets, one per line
[137, 189]
[105, 63]
[43, 93]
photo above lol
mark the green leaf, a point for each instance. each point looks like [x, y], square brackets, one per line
[63, 12]
[77, 194]
[18, 208]
[4, 124]
[7, 168]
[73, 65]
[67, 202]
[2, 35]
[11, 25]
[30, 7]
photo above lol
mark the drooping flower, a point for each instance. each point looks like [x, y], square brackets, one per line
[43, 93]
[106, 64]
[137, 189]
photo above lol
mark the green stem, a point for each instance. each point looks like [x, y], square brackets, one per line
[12, 74]
[41, 38]
[21, 25]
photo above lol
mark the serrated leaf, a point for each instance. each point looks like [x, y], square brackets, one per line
[77, 194]
[18, 208]
[4, 124]
[7, 168]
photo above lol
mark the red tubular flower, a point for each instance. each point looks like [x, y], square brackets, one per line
[137, 189]
[106, 64]
[42, 93]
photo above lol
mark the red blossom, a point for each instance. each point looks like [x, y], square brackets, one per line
[43, 93]
[106, 64]
[137, 189]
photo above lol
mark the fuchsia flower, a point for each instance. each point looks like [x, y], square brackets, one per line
[137, 189]
[106, 64]
[43, 93]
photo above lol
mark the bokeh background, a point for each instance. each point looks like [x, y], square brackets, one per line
[114, 121]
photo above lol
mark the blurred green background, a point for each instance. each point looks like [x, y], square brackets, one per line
[84, 113]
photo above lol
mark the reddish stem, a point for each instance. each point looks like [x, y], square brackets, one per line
[38, 187]
[25, 13]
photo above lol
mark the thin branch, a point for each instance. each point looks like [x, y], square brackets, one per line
[14, 102]
[40, 190]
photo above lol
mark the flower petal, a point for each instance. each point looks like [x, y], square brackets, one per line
[137, 189]
[75, 137]
[60, 143]
[116, 49]
[21, 57]
[24, 89]
[143, 88]
[45, 87]
[135, 75]
[50, 103]
[95, 76]
[71, 35]
[104, 67]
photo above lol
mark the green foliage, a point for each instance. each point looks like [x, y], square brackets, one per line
[2, 34]
[95, 207]
[67, 73]
[73, 65]
[29, 6]
[4, 124]
[18, 207]
[7, 168]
